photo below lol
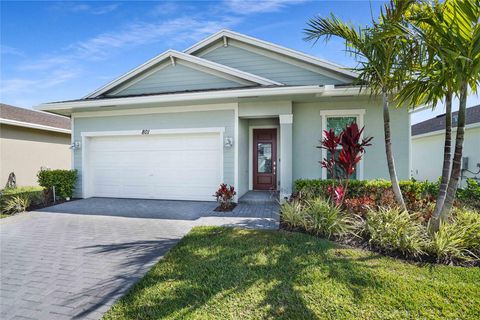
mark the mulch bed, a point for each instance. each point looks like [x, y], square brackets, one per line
[48, 204]
[229, 209]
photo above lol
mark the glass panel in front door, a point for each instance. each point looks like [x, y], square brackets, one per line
[264, 157]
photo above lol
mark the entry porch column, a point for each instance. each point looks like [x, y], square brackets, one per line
[286, 155]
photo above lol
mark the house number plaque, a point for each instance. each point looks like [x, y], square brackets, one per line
[146, 131]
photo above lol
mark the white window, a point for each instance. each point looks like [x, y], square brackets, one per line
[338, 120]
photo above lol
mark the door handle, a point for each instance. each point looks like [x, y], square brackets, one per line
[274, 167]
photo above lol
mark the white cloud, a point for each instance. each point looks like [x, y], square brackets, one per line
[24, 85]
[74, 7]
[10, 50]
[245, 7]
[164, 9]
[139, 33]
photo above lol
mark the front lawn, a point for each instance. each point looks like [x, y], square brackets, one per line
[222, 273]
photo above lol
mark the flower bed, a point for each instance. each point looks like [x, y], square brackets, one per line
[368, 217]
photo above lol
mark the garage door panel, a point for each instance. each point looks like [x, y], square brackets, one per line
[173, 166]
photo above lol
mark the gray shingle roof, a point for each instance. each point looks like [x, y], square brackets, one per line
[25, 115]
[438, 123]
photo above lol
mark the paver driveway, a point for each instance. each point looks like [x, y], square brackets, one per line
[75, 259]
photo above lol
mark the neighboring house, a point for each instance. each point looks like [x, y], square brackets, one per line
[30, 140]
[231, 109]
[428, 139]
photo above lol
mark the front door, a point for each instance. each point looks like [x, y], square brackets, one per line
[265, 159]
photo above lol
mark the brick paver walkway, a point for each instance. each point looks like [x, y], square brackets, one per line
[74, 260]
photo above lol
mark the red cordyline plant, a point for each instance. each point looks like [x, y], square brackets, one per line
[225, 195]
[352, 150]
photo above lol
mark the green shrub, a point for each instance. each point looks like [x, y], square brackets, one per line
[416, 193]
[362, 188]
[63, 181]
[457, 239]
[326, 219]
[470, 195]
[293, 215]
[34, 194]
[393, 230]
[18, 203]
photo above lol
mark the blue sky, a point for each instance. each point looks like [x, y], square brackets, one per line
[54, 51]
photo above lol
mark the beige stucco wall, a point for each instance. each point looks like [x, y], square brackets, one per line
[24, 151]
[427, 154]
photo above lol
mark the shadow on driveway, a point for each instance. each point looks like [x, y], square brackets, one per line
[139, 256]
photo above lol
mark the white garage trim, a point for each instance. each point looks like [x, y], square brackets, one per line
[86, 137]
[153, 131]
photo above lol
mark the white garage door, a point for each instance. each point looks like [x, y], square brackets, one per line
[161, 166]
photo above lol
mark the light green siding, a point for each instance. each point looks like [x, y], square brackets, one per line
[177, 78]
[307, 132]
[267, 67]
[264, 108]
[201, 119]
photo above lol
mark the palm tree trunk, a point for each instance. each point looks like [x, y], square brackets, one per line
[447, 157]
[457, 157]
[389, 153]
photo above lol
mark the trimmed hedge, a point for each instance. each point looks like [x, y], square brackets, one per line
[470, 195]
[362, 188]
[35, 194]
[63, 181]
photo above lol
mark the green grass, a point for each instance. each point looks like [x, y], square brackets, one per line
[222, 273]
[4, 215]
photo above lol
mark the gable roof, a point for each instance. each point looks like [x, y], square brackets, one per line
[172, 55]
[33, 119]
[228, 34]
[438, 123]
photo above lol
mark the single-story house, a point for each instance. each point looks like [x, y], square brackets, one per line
[428, 139]
[231, 108]
[30, 140]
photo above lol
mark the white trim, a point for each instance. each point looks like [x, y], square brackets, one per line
[442, 131]
[183, 97]
[235, 152]
[410, 173]
[72, 140]
[86, 136]
[270, 46]
[286, 118]
[342, 112]
[359, 114]
[250, 151]
[172, 54]
[155, 110]
[333, 91]
[153, 132]
[84, 167]
[33, 125]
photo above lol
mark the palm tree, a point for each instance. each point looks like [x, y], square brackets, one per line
[451, 33]
[378, 50]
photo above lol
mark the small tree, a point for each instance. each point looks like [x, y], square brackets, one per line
[353, 148]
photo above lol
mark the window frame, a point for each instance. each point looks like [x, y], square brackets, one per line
[359, 114]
